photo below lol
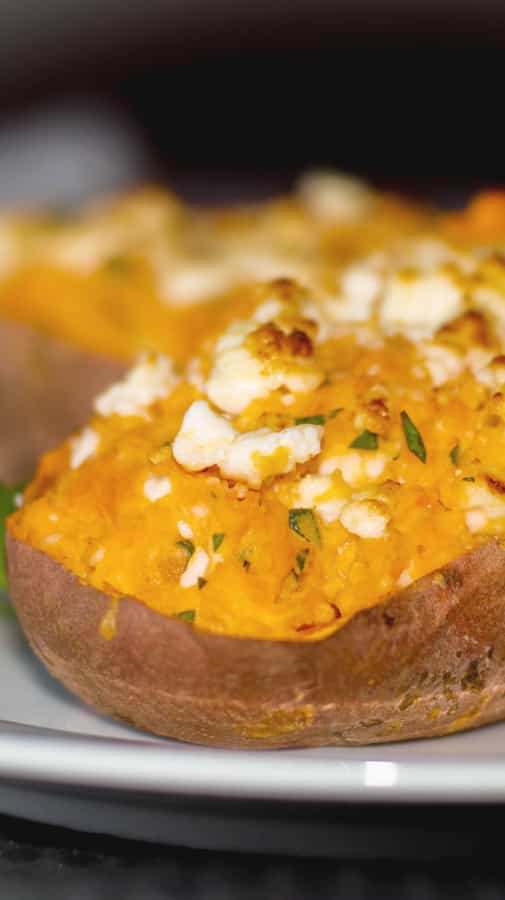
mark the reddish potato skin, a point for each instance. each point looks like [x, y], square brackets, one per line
[428, 661]
[46, 390]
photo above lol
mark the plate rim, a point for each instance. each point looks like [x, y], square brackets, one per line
[43, 756]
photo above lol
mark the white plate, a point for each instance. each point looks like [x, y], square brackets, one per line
[61, 763]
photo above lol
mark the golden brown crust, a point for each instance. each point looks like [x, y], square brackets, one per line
[46, 390]
[426, 662]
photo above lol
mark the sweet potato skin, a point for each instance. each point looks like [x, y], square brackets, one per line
[428, 661]
[46, 390]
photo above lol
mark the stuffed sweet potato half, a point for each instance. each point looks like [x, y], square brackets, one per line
[296, 538]
[81, 296]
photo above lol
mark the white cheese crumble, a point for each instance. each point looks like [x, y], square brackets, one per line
[483, 506]
[152, 378]
[332, 196]
[442, 364]
[309, 488]
[364, 518]
[83, 446]
[238, 376]
[157, 487]
[52, 538]
[486, 370]
[356, 467]
[206, 438]
[195, 569]
[200, 511]
[360, 287]
[203, 438]
[183, 284]
[97, 556]
[185, 530]
[418, 305]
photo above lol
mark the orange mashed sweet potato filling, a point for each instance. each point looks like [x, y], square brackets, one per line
[316, 448]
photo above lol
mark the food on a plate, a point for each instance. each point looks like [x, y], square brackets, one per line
[81, 296]
[296, 537]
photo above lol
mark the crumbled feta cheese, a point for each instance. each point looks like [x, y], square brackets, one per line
[277, 451]
[82, 248]
[309, 488]
[330, 510]
[185, 530]
[157, 487]
[200, 511]
[195, 569]
[238, 377]
[287, 399]
[18, 500]
[360, 286]
[83, 446]
[203, 438]
[53, 517]
[97, 556]
[405, 578]
[53, 538]
[152, 378]
[492, 303]
[332, 196]
[482, 506]
[194, 373]
[442, 364]
[182, 284]
[485, 369]
[207, 439]
[418, 305]
[364, 518]
[355, 467]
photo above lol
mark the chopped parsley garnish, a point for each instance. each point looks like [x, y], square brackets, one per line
[116, 265]
[311, 420]
[304, 523]
[468, 478]
[367, 440]
[187, 546]
[413, 437]
[7, 506]
[301, 559]
[188, 615]
[217, 540]
[318, 419]
[454, 454]
[201, 583]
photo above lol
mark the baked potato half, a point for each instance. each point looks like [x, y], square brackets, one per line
[81, 296]
[428, 661]
[297, 538]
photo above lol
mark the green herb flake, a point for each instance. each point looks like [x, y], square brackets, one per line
[187, 546]
[367, 440]
[188, 615]
[117, 265]
[454, 454]
[301, 559]
[311, 420]
[304, 523]
[201, 583]
[468, 478]
[413, 437]
[217, 540]
[7, 506]
[335, 412]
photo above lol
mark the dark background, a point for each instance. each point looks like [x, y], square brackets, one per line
[231, 99]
